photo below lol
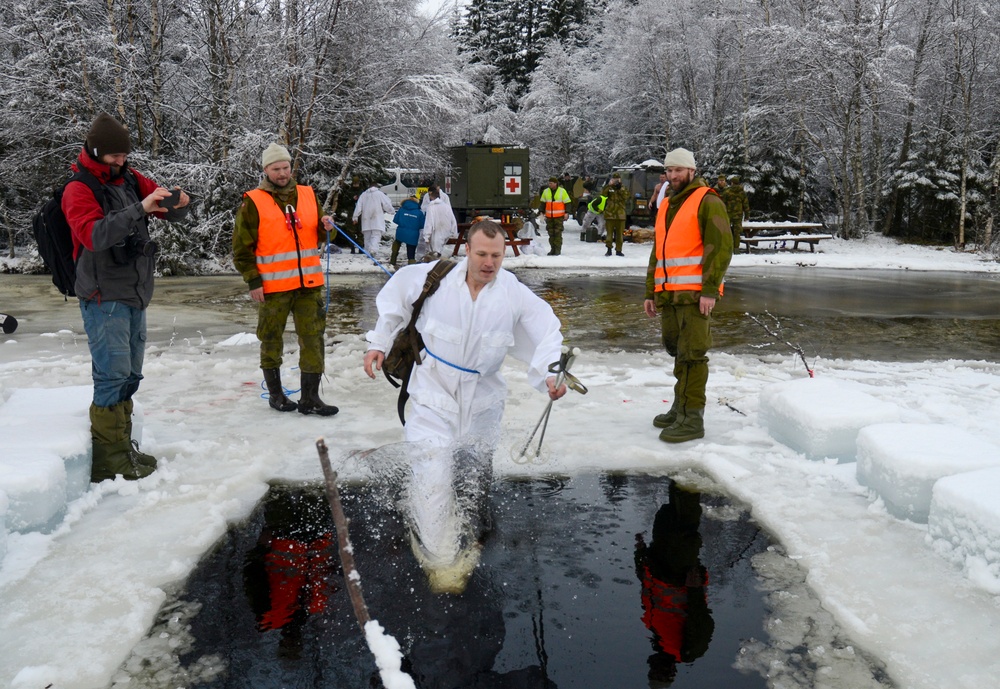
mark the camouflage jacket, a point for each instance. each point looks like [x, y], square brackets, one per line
[616, 207]
[718, 242]
[737, 204]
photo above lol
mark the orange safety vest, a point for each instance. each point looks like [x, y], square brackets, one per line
[554, 207]
[681, 252]
[287, 258]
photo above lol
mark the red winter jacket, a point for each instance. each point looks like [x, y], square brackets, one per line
[98, 275]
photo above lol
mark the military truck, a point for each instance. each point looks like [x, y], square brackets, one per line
[488, 179]
[640, 181]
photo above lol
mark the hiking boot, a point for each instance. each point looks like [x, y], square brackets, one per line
[668, 419]
[618, 253]
[275, 392]
[608, 252]
[690, 425]
[309, 401]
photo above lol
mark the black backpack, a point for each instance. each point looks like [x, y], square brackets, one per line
[405, 350]
[54, 237]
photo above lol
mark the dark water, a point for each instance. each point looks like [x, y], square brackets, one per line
[880, 315]
[583, 582]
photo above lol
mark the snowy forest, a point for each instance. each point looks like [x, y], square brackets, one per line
[873, 116]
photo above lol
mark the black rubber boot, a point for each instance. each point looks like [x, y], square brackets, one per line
[309, 401]
[275, 392]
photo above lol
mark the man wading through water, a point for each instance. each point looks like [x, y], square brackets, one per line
[690, 256]
[479, 314]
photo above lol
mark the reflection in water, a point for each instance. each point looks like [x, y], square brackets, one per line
[674, 582]
[554, 602]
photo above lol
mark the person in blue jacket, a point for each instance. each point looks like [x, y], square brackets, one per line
[409, 221]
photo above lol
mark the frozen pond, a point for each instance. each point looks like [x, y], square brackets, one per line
[589, 581]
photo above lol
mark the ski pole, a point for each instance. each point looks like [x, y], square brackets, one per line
[361, 248]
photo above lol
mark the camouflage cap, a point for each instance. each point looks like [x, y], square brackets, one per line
[616, 175]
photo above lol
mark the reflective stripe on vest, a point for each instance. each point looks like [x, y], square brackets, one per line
[680, 252]
[287, 260]
[555, 207]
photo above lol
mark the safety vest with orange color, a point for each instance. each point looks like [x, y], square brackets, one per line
[287, 252]
[681, 252]
[555, 202]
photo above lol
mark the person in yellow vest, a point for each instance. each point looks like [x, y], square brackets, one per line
[691, 253]
[554, 203]
[276, 243]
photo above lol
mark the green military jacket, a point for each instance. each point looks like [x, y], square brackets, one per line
[247, 226]
[718, 242]
[616, 207]
[737, 204]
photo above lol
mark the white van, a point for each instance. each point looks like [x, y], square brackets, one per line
[403, 182]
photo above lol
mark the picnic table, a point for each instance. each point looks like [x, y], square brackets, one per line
[811, 239]
[513, 241]
[753, 228]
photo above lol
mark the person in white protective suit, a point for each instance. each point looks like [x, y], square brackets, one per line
[479, 314]
[439, 222]
[371, 207]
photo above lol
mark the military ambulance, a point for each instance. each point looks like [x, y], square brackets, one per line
[488, 179]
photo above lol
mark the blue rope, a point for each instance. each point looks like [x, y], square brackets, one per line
[266, 395]
[435, 356]
[360, 248]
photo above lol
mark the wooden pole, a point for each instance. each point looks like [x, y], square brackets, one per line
[351, 577]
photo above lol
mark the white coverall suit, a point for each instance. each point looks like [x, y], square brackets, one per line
[371, 207]
[452, 407]
[439, 225]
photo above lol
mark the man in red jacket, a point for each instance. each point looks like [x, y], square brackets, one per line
[114, 280]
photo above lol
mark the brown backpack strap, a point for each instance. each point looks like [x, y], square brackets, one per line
[433, 281]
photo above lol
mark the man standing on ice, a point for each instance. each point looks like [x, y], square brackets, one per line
[690, 256]
[479, 314]
[371, 208]
[439, 222]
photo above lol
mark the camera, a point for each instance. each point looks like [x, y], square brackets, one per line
[132, 247]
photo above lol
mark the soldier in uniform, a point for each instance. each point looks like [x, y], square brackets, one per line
[737, 205]
[554, 202]
[615, 210]
[345, 210]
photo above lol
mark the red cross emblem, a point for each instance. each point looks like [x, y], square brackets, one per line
[512, 184]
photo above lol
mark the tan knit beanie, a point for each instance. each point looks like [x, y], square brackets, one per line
[680, 157]
[273, 154]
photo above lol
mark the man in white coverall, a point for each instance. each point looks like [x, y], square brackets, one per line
[478, 315]
[371, 208]
[439, 222]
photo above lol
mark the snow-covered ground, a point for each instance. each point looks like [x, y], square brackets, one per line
[74, 601]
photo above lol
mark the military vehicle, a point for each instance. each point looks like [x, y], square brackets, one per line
[640, 181]
[488, 179]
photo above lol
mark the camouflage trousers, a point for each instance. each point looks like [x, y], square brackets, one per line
[687, 336]
[554, 226]
[615, 233]
[306, 307]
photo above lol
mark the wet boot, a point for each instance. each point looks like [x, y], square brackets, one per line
[113, 453]
[395, 253]
[309, 402]
[143, 458]
[275, 392]
[668, 419]
[690, 425]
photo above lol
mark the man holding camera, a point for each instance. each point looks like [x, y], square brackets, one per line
[276, 250]
[114, 282]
